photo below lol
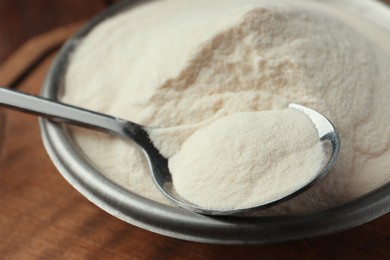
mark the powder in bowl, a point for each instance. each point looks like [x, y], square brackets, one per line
[199, 61]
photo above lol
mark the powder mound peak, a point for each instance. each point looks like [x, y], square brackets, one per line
[237, 58]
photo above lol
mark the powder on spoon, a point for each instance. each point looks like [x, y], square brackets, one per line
[248, 159]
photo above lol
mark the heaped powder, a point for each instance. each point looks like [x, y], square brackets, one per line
[248, 159]
[191, 63]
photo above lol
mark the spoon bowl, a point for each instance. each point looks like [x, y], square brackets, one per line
[63, 113]
[327, 134]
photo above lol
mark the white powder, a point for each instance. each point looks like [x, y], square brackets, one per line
[189, 63]
[247, 159]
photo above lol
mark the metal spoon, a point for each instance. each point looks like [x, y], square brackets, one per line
[63, 113]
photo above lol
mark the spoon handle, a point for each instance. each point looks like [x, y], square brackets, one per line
[60, 112]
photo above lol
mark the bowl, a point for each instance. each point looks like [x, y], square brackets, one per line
[179, 223]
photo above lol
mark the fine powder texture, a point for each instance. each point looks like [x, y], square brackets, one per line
[182, 65]
[248, 159]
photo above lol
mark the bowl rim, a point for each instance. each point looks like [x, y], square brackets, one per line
[176, 222]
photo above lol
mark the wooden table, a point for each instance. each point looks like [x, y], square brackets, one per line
[43, 217]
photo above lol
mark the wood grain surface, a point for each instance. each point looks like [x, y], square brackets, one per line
[43, 217]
